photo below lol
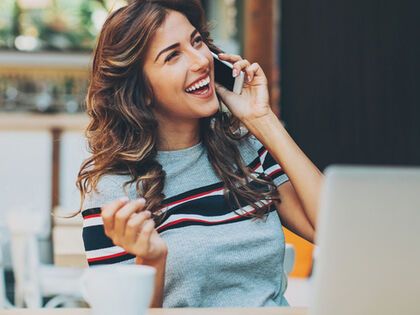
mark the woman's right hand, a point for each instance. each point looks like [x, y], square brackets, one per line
[132, 228]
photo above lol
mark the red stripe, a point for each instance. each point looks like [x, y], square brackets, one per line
[260, 163]
[201, 220]
[275, 171]
[90, 216]
[106, 257]
[206, 192]
[177, 202]
[192, 197]
[197, 220]
[257, 166]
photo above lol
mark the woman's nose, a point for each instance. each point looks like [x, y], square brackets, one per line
[199, 62]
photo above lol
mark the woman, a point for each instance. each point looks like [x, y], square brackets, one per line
[174, 182]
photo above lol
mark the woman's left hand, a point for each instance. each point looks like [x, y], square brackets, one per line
[253, 103]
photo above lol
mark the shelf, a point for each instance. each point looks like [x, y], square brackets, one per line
[31, 121]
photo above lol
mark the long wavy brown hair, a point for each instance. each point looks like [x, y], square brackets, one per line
[122, 133]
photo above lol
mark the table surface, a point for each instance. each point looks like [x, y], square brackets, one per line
[170, 311]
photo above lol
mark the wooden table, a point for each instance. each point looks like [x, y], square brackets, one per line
[170, 311]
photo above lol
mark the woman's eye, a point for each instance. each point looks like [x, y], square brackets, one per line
[171, 55]
[198, 39]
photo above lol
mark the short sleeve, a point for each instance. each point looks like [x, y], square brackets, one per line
[100, 249]
[269, 165]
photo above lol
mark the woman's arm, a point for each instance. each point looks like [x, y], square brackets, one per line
[292, 213]
[160, 264]
[303, 174]
[253, 109]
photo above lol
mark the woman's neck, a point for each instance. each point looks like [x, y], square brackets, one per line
[178, 135]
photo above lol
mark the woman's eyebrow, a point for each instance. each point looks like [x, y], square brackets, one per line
[174, 46]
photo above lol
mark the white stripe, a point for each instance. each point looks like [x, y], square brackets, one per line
[227, 216]
[263, 156]
[259, 169]
[96, 253]
[273, 168]
[281, 180]
[93, 221]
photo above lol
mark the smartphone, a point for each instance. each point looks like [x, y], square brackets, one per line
[223, 75]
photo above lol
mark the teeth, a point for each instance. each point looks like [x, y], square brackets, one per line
[199, 84]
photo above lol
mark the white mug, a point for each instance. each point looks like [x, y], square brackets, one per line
[119, 289]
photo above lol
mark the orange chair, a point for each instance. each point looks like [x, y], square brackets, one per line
[303, 252]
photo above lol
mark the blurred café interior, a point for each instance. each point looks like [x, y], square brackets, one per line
[343, 80]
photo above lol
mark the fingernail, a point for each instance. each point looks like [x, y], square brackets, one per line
[124, 199]
[235, 73]
[142, 200]
[249, 78]
[148, 213]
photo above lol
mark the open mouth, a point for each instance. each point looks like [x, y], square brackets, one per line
[202, 87]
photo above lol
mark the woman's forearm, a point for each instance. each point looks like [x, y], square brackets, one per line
[160, 265]
[303, 174]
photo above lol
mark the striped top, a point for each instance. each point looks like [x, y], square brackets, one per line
[216, 256]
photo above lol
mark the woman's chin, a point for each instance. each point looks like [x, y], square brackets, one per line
[213, 107]
[206, 109]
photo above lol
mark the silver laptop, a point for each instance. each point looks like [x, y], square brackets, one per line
[369, 242]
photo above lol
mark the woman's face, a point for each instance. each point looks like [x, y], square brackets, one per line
[179, 67]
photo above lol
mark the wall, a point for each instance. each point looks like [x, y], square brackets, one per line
[350, 79]
[25, 177]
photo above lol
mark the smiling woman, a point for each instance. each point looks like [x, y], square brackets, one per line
[186, 64]
[175, 182]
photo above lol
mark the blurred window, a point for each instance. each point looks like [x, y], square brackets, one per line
[61, 25]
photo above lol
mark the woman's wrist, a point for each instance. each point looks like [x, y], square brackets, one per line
[262, 126]
[157, 262]
[160, 265]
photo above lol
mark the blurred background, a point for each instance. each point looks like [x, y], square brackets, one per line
[344, 80]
